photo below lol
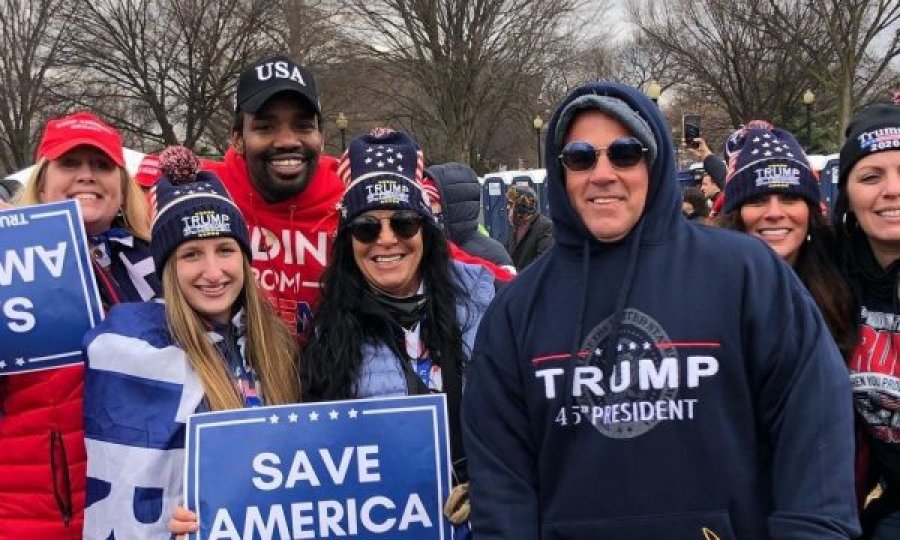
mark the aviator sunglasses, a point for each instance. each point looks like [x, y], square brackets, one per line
[367, 228]
[622, 153]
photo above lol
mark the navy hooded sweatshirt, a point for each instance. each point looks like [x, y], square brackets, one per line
[725, 414]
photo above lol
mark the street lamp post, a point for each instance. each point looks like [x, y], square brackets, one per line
[808, 99]
[653, 91]
[341, 122]
[538, 124]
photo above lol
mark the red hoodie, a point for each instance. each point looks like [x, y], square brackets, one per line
[290, 240]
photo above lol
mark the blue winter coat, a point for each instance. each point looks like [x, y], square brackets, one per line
[380, 373]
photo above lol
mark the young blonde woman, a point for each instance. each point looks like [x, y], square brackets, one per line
[42, 456]
[215, 344]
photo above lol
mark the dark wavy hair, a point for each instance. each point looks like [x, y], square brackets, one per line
[331, 359]
[818, 268]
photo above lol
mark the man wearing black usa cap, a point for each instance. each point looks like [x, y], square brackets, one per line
[284, 186]
[618, 389]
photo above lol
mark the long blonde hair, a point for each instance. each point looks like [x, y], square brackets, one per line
[135, 215]
[269, 348]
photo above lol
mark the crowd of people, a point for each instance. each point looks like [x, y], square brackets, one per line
[643, 363]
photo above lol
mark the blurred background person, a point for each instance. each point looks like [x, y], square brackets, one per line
[532, 232]
[693, 204]
[456, 201]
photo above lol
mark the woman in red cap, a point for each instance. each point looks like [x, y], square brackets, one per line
[42, 453]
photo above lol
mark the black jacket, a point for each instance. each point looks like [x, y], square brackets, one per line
[537, 240]
[461, 202]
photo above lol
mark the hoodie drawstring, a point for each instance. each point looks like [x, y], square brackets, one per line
[576, 338]
[609, 350]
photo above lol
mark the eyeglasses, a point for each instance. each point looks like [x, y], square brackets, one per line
[622, 153]
[367, 228]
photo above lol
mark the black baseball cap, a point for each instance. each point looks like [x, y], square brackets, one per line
[270, 76]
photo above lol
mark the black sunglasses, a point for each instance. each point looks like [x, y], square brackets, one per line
[622, 153]
[367, 228]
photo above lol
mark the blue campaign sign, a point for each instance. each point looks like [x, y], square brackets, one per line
[375, 468]
[48, 295]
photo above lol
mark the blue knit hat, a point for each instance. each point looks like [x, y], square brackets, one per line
[191, 204]
[383, 170]
[763, 160]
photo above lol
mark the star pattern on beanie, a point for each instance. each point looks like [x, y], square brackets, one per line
[383, 170]
[191, 204]
[767, 160]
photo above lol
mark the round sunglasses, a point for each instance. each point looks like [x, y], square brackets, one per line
[366, 229]
[622, 153]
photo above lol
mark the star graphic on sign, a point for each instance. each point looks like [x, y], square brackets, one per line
[273, 419]
[352, 413]
[767, 153]
[292, 418]
[20, 361]
[314, 416]
[333, 414]
[368, 160]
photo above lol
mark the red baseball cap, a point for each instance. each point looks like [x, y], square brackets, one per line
[148, 171]
[80, 129]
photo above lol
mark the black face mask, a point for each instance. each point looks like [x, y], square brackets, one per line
[406, 312]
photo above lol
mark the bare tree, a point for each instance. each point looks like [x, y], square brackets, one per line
[31, 34]
[464, 65]
[159, 69]
[848, 64]
[713, 49]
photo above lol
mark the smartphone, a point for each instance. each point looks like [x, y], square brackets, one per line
[690, 127]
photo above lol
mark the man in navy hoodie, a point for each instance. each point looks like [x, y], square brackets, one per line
[721, 410]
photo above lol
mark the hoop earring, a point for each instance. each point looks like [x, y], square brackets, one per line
[809, 237]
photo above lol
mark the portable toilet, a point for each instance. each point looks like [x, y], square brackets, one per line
[539, 177]
[828, 181]
[493, 204]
